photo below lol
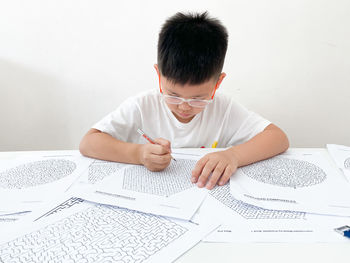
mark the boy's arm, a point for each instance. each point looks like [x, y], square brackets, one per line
[270, 142]
[100, 145]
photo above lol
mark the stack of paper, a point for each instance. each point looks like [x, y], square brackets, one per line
[70, 228]
[107, 211]
[75, 230]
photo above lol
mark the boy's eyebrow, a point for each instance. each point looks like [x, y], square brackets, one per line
[196, 96]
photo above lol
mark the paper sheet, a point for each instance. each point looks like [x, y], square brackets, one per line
[294, 181]
[341, 156]
[165, 193]
[9, 219]
[78, 230]
[35, 179]
[27, 182]
[248, 223]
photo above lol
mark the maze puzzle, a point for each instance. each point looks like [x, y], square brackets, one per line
[174, 179]
[65, 205]
[36, 173]
[285, 172]
[101, 169]
[96, 234]
[222, 194]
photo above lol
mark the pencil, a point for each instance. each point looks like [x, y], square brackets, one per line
[144, 135]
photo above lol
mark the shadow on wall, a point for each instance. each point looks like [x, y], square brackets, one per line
[32, 109]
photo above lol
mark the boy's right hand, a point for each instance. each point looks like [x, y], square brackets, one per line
[156, 157]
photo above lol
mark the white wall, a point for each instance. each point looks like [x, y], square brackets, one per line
[65, 64]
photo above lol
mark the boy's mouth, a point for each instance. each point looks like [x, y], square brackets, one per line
[184, 115]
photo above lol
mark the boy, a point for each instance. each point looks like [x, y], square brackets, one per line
[186, 111]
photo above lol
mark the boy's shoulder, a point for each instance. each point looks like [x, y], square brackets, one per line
[226, 105]
[223, 100]
[148, 97]
[222, 97]
[142, 101]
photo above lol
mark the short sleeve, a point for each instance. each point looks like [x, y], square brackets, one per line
[247, 124]
[123, 122]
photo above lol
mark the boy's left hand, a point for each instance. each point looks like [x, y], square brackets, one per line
[221, 164]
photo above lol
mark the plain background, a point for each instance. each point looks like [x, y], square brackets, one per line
[66, 64]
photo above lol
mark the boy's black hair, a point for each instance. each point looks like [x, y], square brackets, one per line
[191, 48]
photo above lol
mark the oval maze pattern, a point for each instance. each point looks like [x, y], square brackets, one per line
[285, 172]
[36, 173]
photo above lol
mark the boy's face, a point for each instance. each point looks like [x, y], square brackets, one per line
[185, 112]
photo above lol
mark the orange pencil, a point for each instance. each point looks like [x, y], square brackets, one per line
[144, 135]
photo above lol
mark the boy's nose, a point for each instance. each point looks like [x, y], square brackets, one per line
[184, 106]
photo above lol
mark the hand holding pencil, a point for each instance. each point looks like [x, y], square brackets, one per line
[156, 155]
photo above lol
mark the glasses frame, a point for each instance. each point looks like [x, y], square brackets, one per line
[188, 101]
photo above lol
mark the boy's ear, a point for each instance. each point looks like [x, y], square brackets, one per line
[221, 78]
[156, 68]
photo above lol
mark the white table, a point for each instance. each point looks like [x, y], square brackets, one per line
[248, 252]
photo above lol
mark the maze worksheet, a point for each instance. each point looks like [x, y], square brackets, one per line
[96, 233]
[248, 223]
[27, 181]
[163, 193]
[245, 223]
[247, 211]
[293, 181]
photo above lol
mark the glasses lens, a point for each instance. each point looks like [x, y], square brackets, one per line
[194, 103]
[198, 103]
[172, 100]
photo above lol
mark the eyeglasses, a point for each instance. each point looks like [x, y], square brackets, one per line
[192, 102]
[197, 103]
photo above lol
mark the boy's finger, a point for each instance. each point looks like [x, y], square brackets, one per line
[158, 149]
[218, 171]
[226, 176]
[157, 167]
[161, 159]
[163, 142]
[208, 168]
[196, 172]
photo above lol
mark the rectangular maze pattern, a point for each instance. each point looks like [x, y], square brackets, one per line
[96, 234]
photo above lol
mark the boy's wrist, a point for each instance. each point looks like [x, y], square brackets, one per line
[235, 154]
[139, 153]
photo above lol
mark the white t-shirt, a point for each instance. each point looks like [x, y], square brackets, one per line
[223, 120]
